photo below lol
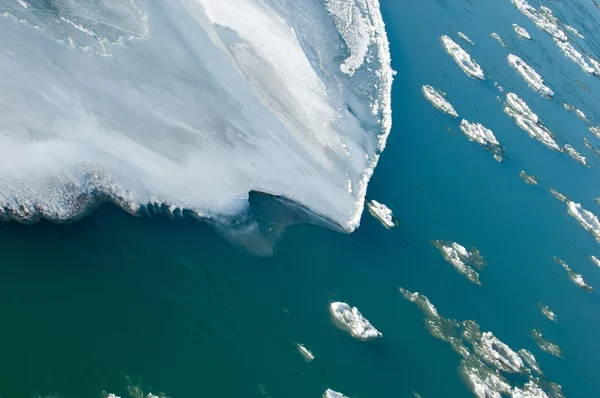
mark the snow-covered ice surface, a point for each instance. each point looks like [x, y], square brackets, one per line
[547, 312]
[111, 101]
[575, 155]
[530, 75]
[333, 394]
[462, 58]
[382, 213]
[595, 260]
[545, 345]
[574, 55]
[518, 110]
[486, 360]
[585, 218]
[484, 137]
[595, 130]
[529, 179]
[462, 260]
[438, 100]
[575, 277]
[465, 38]
[521, 32]
[351, 319]
[542, 18]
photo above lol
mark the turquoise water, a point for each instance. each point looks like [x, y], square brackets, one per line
[168, 306]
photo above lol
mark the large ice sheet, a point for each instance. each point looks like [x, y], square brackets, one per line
[190, 105]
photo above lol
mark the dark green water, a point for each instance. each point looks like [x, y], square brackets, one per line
[169, 306]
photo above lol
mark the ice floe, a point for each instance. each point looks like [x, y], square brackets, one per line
[499, 39]
[529, 179]
[382, 213]
[576, 155]
[589, 146]
[548, 313]
[351, 319]
[577, 111]
[595, 260]
[595, 64]
[462, 259]
[575, 277]
[585, 218]
[595, 130]
[574, 55]
[491, 349]
[517, 109]
[333, 394]
[438, 100]
[558, 195]
[530, 390]
[530, 75]
[574, 31]
[530, 360]
[546, 345]
[462, 58]
[484, 137]
[465, 38]
[521, 32]
[305, 352]
[543, 19]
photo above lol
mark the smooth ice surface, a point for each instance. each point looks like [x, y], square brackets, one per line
[529, 179]
[465, 38]
[462, 58]
[530, 75]
[382, 213]
[333, 394]
[575, 277]
[521, 32]
[484, 137]
[574, 55]
[518, 110]
[438, 100]
[352, 320]
[190, 105]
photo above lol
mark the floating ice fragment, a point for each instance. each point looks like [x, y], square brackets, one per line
[546, 345]
[521, 32]
[462, 58]
[465, 38]
[530, 390]
[382, 213]
[438, 100]
[530, 75]
[574, 55]
[543, 19]
[575, 155]
[333, 394]
[461, 259]
[575, 277]
[558, 195]
[595, 260]
[351, 319]
[589, 146]
[586, 218]
[484, 137]
[499, 39]
[595, 130]
[483, 381]
[529, 358]
[547, 312]
[517, 109]
[574, 31]
[305, 352]
[529, 179]
[595, 64]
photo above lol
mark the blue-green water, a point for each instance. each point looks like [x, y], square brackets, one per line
[167, 305]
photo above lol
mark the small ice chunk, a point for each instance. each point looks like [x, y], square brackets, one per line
[529, 179]
[530, 75]
[438, 100]
[543, 19]
[574, 55]
[305, 352]
[530, 390]
[575, 277]
[483, 381]
[461, 259]
[382, 213]
[545, 345]
[484, 137]
[574, 31]
[529, 358]
[595, 130]
[576, 155]
[465, 38]
[586, 218]
[498, 354]
[521, 32]
[499, 39]
[589, 146]
[595, 260]
[333, 394]
[462, 58]
[595, 64]
[23, 3]
[352, 320]
[558, 195]
[517, 109]
[548, 313]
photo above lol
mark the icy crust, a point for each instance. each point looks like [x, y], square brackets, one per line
[352, 320]
[333, 394]
[521, 32]
[485, 358]
[465, 38]
[462, 58]
[529, 179]
[461, 259]
[438, 100]
[499, 39]
[191, 126]
[529, 75]
[547, 312]
[576, 155]
[575, 277]
[518, 110]
[382, 213]
[546, 345]
[585, 218]
[574, 55]
[543, 19]
[484, 137]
